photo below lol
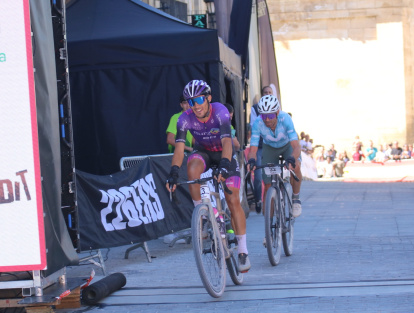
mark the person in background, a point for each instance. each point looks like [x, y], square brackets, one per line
[388, 149]
[331, 153]
[236, 143]
[320, 161]
[357, 143]
[279, 138]
[345, 155]
[380, 155]
[303, 143]
[358, 155]
[310, 145]
[405, 153]
[371, 151]
[257, 183]
[172, 129]
[328, 169]
[396, 152]
[339, 165]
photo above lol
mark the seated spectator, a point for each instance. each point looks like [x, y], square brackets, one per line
[345, 155]
[309, 147]
[304, 142]
[328, 168]
[405, 153]
[331, 153]
[396, 151]
[371, 151]
[320, 161]
[339, 165]
[388, 149]
[410, 151]
[357, 143]
[380, 155]
[358, 155]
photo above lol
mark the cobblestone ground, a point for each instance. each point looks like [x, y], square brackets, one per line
[353, 252]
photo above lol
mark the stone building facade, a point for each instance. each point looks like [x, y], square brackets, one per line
[346, 68]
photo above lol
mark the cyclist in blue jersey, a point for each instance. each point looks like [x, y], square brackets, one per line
[209, 123]
[279, 138]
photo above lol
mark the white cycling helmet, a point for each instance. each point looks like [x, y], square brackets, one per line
[268, 104]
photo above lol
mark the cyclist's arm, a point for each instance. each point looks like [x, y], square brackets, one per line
[180, 139]
[178, 156]
[171, 141]
[227, 148]
[252, 153]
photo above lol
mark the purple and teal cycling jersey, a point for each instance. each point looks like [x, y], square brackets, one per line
[207, 134]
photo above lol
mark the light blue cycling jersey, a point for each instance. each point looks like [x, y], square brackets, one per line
[283, 134]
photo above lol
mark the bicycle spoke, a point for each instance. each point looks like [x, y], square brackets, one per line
[208, 253]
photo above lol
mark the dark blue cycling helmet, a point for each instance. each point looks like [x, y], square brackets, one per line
[196, 88]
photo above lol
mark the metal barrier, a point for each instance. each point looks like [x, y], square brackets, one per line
[127, 162]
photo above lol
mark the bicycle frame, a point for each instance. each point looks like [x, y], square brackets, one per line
[278, 180]
[206, 199]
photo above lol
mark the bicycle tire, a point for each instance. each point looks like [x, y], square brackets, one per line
[288, 230]
[273, 229]
[235, 275]
[210, 261]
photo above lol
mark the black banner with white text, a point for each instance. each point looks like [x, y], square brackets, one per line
[130, 206]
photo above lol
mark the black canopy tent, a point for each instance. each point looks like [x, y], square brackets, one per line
[128, 65]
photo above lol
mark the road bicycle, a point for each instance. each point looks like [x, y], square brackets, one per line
[210, 249]
[279, 221]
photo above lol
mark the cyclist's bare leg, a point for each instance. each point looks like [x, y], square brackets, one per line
[195, 168]
[296, 184]
[238, 218]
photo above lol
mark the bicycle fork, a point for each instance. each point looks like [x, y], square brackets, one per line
[206, 199]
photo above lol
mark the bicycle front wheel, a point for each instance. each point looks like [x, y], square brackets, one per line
[288, 230]
[273, 225]
[208, 252]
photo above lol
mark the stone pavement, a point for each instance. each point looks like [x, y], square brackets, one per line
[353, 252]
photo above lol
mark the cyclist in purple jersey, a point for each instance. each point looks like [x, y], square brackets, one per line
[208, 134]
[209, 124]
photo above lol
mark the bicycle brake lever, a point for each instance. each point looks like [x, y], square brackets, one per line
[294, 175]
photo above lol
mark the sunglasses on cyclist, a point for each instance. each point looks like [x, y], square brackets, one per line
[268, 116]
[199, 100]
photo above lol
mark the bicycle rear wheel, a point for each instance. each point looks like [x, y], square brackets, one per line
[273, 229]
[288, 230]
[208, 252]
[235, 275]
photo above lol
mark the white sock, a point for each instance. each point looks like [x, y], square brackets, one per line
[295, 196]
[242, 247]
[197, 202]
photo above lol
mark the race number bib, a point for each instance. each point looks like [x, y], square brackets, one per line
[272, 170]
[205, 192]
